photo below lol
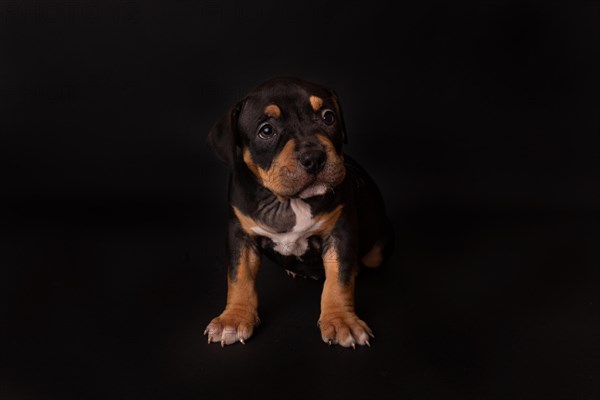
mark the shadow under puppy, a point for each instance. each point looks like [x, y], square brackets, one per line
[296, 197]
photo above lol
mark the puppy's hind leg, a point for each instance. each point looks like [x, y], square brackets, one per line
[380, 250]
[374, 257]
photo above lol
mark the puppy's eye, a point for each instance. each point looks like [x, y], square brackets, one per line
[266, 131]
[328, 117]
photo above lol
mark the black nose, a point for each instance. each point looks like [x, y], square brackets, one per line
[313, 161]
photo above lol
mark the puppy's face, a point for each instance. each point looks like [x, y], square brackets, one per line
[289, 134]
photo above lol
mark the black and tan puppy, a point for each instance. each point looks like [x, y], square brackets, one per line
[296, 197]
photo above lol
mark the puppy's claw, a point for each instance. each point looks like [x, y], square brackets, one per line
[242, 341]
[353, 345]
[209, 341]
[290, 273]
[223, 343]
[367, 343]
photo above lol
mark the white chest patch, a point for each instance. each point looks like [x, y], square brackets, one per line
[295, 241]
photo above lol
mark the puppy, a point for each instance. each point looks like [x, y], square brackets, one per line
[297, 198]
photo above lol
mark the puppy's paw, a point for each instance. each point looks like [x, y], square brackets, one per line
[345, 329]
[231, 326]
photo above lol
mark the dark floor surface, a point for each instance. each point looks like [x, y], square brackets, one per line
[475, 304]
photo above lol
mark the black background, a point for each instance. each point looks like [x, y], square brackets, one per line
[478, 121]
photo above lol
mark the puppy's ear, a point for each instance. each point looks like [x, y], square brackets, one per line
[336, 98]
[223, 136]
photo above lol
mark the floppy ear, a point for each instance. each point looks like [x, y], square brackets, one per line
[223, 136]
[336, 98]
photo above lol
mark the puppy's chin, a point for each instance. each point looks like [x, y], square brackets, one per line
[316, 189]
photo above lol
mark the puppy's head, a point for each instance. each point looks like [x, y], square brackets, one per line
[289, 133]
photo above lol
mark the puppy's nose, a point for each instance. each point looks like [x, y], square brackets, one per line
[313, 161]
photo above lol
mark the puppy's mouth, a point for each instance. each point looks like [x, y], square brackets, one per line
[320, 184]
[313, 188]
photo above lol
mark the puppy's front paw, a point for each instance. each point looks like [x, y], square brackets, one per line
[345, 329]
[231, 326]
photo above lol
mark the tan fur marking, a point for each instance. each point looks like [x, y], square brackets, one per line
[274, 177]
[250, 163]
[248, 223]
[338, 322]
[242, 299]
[284, 160]
[336, 297]
[335, 161]
[329, 148]
[374, 257]
[328, 220]
[273, 110]
[237, 321]
[315, 102]
[241, 292]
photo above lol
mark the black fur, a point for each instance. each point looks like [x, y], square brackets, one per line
[363, 221]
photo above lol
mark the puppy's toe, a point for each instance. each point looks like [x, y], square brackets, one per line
[229, 328]
[345, 329]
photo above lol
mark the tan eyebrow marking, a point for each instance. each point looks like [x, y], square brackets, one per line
[273, 110]
[315, 102]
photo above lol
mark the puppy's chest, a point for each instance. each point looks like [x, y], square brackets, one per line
[289, 226]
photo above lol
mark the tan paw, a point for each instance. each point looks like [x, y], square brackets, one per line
[345, 329]
[231, 327]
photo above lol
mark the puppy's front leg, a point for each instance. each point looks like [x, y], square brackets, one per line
[237, 321]
[338, 322]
